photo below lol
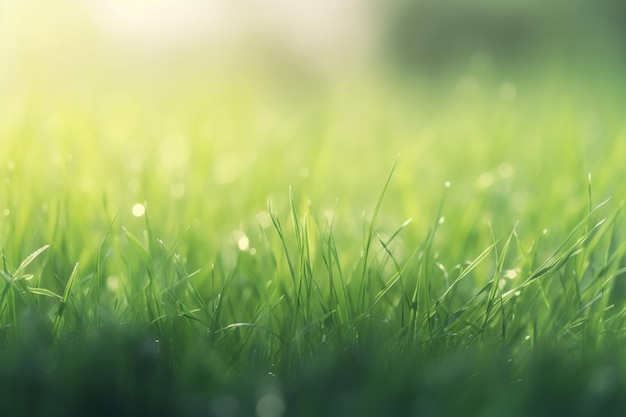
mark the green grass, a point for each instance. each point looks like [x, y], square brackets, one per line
[366, 248]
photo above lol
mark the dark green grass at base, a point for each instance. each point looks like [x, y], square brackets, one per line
[126, 373]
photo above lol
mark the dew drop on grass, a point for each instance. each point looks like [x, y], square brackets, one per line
[447, 184]
[139, 210]
[10, 165]
[6, 212]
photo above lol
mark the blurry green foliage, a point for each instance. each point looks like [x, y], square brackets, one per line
[436, 35]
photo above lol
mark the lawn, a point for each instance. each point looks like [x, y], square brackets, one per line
[232, 243]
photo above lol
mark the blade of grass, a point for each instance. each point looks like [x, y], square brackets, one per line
[64, 300]
[370, 234]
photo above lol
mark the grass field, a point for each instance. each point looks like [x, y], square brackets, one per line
[180, 244]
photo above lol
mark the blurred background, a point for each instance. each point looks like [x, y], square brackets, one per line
[204, 108]
[71, 41]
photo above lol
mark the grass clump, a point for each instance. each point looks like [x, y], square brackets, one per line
[213, 261]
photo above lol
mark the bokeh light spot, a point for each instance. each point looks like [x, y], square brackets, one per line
[270, 405]
[138, 210]
[508, 91]
[506, 170]
[264, 219]
[243, 243]
[113, 283]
